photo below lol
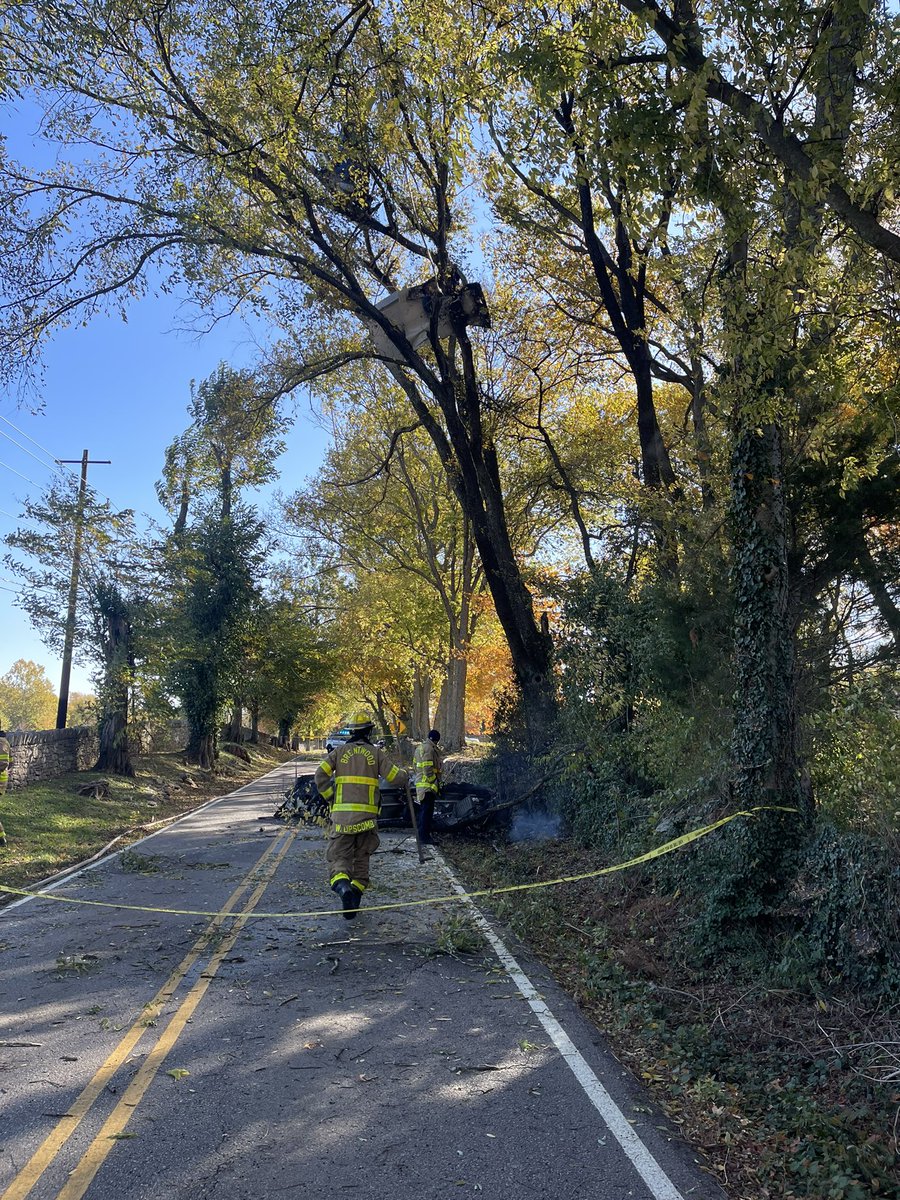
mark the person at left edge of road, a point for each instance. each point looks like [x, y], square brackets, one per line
[348, 780]
[4, 777]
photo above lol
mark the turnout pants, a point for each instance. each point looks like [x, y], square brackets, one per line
[425, 799]
[348, 856]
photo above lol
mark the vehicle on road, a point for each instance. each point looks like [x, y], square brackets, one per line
[459, 805]
[337, 737]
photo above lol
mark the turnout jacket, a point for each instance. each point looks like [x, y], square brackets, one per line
[429, 763]
[348, 780]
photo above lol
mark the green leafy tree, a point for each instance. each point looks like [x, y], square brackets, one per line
[303, 167]
[214, 591]
[721, 260]
[294, 662]
[111, 575]
[214, 602]
[27, 698]
[379, 506]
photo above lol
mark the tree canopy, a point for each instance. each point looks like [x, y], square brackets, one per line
[600, 304]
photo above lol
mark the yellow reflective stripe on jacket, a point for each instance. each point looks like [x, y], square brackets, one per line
[369, 805]
[348, 779]
[426, 769]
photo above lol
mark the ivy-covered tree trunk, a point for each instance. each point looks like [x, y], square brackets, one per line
[114, 754]
[766, 764]
[199, 691]
[216, 566]
[201, 750]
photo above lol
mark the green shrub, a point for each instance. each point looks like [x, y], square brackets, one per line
[846, 902]
[855, 760]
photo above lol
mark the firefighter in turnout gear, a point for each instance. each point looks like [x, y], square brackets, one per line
[348, 781]
[429, 764]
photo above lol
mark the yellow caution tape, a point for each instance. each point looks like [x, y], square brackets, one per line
[666, 848]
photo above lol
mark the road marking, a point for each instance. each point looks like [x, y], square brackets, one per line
[678, 843]
[96, 1154]
[653, 1175]
[27, 897]
[57, 1138]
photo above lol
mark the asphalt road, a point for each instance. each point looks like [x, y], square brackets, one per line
[270, 1053]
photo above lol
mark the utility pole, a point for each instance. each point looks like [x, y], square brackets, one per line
[63, 706]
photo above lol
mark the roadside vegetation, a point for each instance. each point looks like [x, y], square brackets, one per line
[788, 1088]
[50, 826]
[628, 502]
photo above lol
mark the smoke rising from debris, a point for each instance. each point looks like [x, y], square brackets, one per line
[534, 827]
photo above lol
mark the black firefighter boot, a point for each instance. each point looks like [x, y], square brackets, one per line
[357, 895]
[349, 897]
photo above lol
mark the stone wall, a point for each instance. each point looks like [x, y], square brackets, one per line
[49, 753]
[160, 739]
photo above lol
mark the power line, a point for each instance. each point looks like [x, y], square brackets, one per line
[25, 449]
[60, 464]
[49, 453]
[20, 475]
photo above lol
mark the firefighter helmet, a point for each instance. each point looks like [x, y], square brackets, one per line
[359, 722]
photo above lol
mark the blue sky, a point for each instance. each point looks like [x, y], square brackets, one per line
[120, 391]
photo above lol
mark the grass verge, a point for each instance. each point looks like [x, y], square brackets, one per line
[50, 827]
[788, 1093]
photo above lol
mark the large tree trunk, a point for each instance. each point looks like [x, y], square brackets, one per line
[114, 755]
[420, 718]
[254, 722]
[530, 649]
[201, 749]
[199, 698]
[450, 716]
[234, 731]
[474, 475]
[766, 764]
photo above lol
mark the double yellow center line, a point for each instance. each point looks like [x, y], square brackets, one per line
[261, 874]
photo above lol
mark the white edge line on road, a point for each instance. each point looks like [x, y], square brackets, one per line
[658, 1182]
[114, 853]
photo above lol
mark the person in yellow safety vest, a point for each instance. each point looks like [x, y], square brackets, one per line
[348, 780]
[429, 763]
[4, 777]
